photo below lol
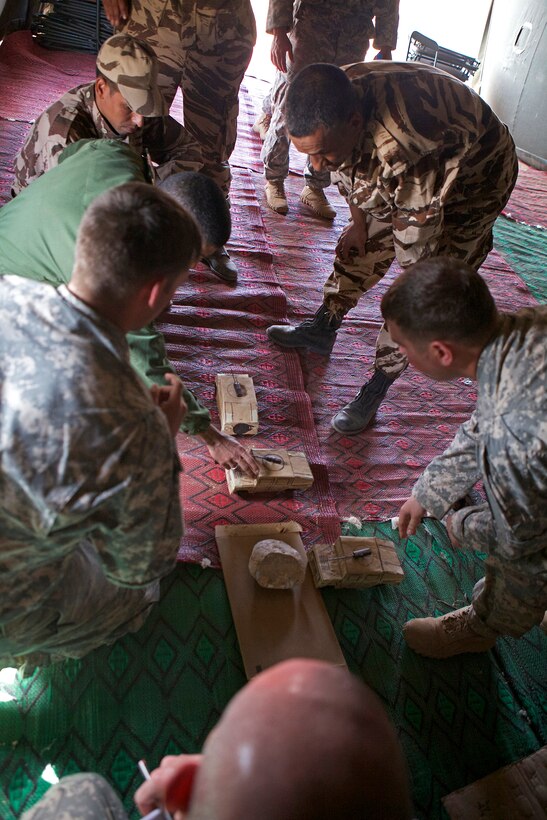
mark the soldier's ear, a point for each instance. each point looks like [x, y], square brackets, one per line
[101, 88]
[442, 352]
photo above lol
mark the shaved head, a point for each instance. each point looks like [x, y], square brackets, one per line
[304, 739]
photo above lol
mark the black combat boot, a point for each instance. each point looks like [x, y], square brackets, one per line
[355, 416]
[317, 334]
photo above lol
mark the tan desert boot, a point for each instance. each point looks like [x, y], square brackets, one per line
[451, 634]
[276, 197]
[315, 199]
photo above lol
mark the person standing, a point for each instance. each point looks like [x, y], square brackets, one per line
[203, 47]
[313, 31]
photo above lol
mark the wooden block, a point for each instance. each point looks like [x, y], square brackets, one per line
[516, 791]
[273, 625]
[334, 565]
[238, 413]
[292, 474]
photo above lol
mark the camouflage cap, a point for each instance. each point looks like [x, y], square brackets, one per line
[132, 65]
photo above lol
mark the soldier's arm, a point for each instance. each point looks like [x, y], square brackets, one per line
[140, 535]
[171, 147]
[280, 15]
[149, 359]
[281, 49]
[46, 141]
[449, 476]
[418, 205]
[386, 14]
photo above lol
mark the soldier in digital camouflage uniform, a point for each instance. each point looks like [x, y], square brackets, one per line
[124, 103]
[203, 47]
[316, 31]
[90, 514]
[425, 166]
[85, 796]
[441, 314]
[32, 249]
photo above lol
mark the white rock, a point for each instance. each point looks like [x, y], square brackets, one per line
[276, 565]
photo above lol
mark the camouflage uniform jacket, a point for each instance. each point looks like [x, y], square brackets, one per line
[75, 116]
[86, 455]
[282, 13]
[430, 149]
[504, 443]
[31, 249]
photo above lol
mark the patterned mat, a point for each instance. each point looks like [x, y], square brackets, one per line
[162, 690]
[528, 202]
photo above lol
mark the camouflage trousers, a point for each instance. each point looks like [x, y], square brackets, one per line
[83, 612]
[204, 49]
[78, 797]
[318, 36]
[512, 596]
[349, 280]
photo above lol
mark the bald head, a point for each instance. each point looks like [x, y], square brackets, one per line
[304, 739]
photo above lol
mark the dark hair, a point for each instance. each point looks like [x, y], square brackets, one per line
[441, 298]
[320, 95]
[130, 235]
[112, 86]
[202, 197]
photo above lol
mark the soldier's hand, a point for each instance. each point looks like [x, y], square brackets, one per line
[281, 47]
[410, 517]
[170, 785]
[229, 453]
[169, 400]
[384, 53]
[117, 11]
[352, 241]
[450, 530]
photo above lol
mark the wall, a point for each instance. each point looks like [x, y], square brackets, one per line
[514, 79]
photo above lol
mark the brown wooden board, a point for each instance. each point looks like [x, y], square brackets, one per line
[273, 625]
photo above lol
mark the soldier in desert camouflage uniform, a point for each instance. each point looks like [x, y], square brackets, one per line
[444, 319]
[89, 495]
[203, 47]
[320, 31]
[123, 103]
[425, 166]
